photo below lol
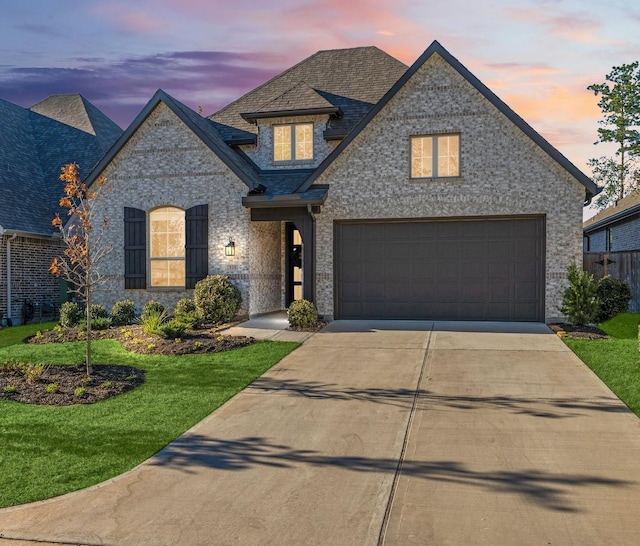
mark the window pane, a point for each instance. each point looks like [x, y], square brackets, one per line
[167, 273]
[421, 157]
[282, 142]
[448, 155]
[167, 240]
[304, 141]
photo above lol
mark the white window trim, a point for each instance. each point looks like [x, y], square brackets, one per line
[151, 259]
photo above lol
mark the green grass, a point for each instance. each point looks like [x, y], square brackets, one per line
[16, 334]
[616, 361]
[47, 451]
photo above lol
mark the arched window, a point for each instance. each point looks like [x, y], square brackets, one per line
[167, 247]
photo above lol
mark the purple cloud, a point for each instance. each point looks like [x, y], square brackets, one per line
[207, 79]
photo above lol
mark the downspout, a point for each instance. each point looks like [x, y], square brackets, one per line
[9, 316]
[312, 261]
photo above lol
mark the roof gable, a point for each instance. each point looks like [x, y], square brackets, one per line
[299, 100]
[33, 148]
[435, 48]
[357, 76]
[203, 128]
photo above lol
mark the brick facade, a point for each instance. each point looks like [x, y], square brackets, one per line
[625, 235]
[30, 278]
[166, 164]
[503, 172]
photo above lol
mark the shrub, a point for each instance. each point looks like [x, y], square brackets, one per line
[302, 314]
[96, 324]
[70, 314]
[185, 312]
[192, 319]
[217, 299]
[99, 311]
[170, 329]
[614, 296]
[9, 389]
[152, 318]
[152, 307]
[184, 306]
[51, 388]
[33, 372]
[123, 312]
[580, 301]
[79, 391]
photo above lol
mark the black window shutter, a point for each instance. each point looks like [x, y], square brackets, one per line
[135, 248]
[197, 248]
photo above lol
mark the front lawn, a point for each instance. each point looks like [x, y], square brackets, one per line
[47, 451]
[616, 360]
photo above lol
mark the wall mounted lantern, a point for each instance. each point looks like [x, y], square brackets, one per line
[230, 248]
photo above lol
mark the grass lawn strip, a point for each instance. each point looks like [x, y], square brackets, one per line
[615, 360]
[48, 451]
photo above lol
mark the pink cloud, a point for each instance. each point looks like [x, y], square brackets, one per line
[133, 20]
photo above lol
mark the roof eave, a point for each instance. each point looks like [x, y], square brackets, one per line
[286, 200]
[251, 117]
[623, 214]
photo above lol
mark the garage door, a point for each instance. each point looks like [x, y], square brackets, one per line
[476, 269]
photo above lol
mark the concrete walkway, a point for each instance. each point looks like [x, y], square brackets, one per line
[389, 433]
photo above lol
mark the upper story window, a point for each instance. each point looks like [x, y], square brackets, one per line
[293, 142]
[435, 156]
[167, 246]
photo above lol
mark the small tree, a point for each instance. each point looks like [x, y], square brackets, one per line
[83, 236]
[580, 302]
[620, 105]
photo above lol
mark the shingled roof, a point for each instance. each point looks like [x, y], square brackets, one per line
[350, 79]
[620, 210]
[34, 144]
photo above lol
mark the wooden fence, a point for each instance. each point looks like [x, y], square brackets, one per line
[620, 265]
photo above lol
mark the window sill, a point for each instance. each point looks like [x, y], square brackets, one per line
[292, 162]
[434, 179]
[167, 289]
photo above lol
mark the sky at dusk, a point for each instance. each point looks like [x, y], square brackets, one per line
[538, 56]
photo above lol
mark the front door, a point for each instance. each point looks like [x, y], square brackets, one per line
[294, 264]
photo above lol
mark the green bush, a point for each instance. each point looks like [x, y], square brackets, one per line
[152, 307]
[70, 314]
[123, 312]
[184, 306]
[96, 324]
[614, 296]
[152, 318]
[302, 314]
[171, 329]
[217, 299]
[98, 311]
[192, 319]
[580, 301]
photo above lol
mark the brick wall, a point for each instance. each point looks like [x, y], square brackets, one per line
[30, 279]
[502, 173]
[165, 164]
[625, 236]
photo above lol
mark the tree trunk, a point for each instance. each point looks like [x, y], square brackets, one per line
[88, 313]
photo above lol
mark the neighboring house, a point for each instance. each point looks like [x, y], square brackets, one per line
[611, 244]
[34, 144]
[616, 228]
[373, 189]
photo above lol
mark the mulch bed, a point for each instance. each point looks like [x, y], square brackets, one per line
[578, 332]
[105, 381]
[135, 339]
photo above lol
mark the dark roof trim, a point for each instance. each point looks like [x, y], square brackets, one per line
[591, 188]
[331, 110]
[219, 148]
[622, 215]
[335, 134]
[263, 201]
[241, 141]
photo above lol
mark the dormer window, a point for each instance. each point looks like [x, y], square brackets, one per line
[293, 142]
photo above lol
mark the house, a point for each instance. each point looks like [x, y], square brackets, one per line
[34, 144]
[616, 228]
[611, 245]
[378, 191]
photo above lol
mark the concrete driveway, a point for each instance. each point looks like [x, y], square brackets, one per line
[382, 433]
